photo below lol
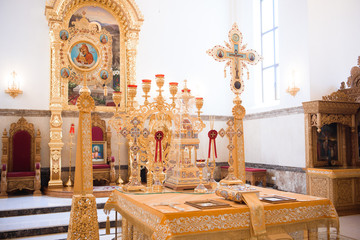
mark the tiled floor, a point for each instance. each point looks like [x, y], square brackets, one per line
[349, 225]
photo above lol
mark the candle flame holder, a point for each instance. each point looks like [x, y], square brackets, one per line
[146, 86]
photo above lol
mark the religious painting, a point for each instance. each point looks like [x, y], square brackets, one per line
[251, 57]
[83, 55]
[327, 144]
[108, 22]
[98, 152]
[103, 38]
[220, 53]
[64, 72]
[235, 37]
[64, 35]
[104, 74]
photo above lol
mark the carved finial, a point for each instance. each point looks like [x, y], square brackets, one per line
[38, 133]
[342, 85]
[5, 133]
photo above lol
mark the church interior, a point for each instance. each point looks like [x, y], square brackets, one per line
[156, 119]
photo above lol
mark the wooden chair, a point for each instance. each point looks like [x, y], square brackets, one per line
[104, 171]
[21, 158]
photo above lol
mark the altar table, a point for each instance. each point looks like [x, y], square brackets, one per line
[165, 216]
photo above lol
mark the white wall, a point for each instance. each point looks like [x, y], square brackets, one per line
[24, 47]
[334, 47]
[173, 41]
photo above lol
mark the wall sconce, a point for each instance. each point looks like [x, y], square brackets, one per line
[292, 89]
[13, 86]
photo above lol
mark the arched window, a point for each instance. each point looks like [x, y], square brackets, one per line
[269, 50]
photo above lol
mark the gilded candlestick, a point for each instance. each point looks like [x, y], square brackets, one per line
[173, 86]
[117, 99]
[146, 86]
[160, 83]
[69, 183]
[199, 104]
[132, 94]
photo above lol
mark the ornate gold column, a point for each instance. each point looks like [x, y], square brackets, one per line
[238, 152]
[83, 217]
[56, 121]
[132, 38]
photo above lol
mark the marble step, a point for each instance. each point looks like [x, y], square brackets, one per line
[37, 216]
[30, 205]
[41, 224]
[63, 236]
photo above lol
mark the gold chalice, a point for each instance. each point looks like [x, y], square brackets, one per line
[146, 86]
[200, 164]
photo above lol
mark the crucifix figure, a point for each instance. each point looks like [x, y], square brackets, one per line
[237, 58]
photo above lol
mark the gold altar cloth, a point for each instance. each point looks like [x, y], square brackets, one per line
[146, 216]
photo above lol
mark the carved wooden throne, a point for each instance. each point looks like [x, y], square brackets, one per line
[21, 158]
[103, 171]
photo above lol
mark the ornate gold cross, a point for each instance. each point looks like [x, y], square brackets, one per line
[237, 58]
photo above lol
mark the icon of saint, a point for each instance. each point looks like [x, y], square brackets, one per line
[65, 74]
[63, 36]
[85, 58]
[104, 75]
[103, 39]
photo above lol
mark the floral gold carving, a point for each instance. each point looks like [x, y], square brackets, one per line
[344, 191]
[319, 187]
[83, 223]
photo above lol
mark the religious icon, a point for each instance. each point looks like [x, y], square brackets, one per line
[103, 38]
[98, 151]
[235, 37]
[64, 72]
[64, 35]
[251, 56]
[220, 53]
[327, 144]
[83, 55]
[104, 74]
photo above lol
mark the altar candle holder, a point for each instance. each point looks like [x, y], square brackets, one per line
[132, 94]
[119, 180]
[146, 86]
[69, 183]
[160, 82]
[199, 104]
[117, 99]
[200, 164]
[157, 185]
[173, 86]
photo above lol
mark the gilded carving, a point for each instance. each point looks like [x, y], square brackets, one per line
[58, 14]
[344, 189]
[84, 222]
[338, 96]
[319, 187]
[56, 120]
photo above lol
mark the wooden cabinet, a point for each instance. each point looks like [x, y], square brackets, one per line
[332, 145]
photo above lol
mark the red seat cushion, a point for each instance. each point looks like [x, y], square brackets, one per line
[255, 170]
[100, 166]
[224, 167]
[20, 174]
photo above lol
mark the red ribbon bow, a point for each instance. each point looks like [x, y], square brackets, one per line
[212, 135]
[159, 135]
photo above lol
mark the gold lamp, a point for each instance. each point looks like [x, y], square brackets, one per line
[292, 89]
[13, 86]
